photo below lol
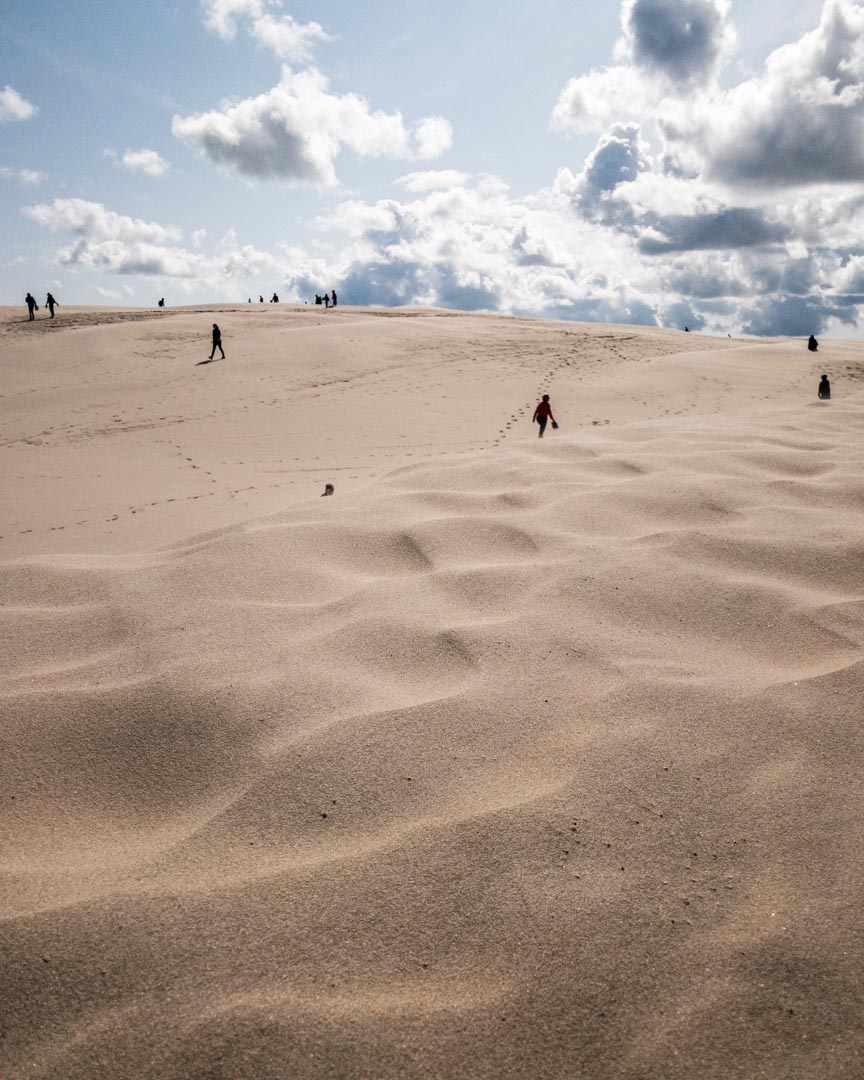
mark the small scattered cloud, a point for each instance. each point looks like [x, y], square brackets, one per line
[432, 137]
[15, 107]
[432, 179]
[145, 161]
[24, 176]
[220, 16]
[287, 38]
[31, 176]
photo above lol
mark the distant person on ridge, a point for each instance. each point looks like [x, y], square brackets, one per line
[217, 342]
[326, 300]
[542, 414]
[51, 303]
[824, 390]
[31, 305]
[260, 299]
[328, 490]
[275, 299]
[812, 344]
[162, 302]
[333, 298]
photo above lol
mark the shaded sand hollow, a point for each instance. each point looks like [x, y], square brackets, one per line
[513, 759]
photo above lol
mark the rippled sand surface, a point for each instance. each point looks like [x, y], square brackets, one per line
[515, 758]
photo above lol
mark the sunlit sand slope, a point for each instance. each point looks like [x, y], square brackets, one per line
[538, 760]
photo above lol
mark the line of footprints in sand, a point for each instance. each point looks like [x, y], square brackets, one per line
[529, 406]
[230, 492]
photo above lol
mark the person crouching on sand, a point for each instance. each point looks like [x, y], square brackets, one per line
[542, 414]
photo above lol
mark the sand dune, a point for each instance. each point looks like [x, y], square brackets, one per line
[514, 758]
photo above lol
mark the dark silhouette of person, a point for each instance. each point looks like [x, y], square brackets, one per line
[328, 490]
[260, 299]
[812, 344]
[217, 342]
[326, 300]
[249, 301]
[275, 299]
[162, 302]
[31, 305]
[824, 390]
[542, 414]
[333, 298]
[318, 299]
[51, 303]
[686, 329]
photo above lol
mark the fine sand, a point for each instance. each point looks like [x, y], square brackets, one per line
[511, 759]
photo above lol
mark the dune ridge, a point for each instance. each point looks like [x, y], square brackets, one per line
[535, 759]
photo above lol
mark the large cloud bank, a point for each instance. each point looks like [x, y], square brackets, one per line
[731, 207]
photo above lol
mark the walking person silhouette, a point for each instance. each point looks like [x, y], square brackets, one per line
[542, 414]
[217, 342]
[51, 303]
[31, 305]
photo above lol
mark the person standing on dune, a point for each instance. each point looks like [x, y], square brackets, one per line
[824, 390]
[51, 303]
[31, 305]
[217, 342]
[542, 414]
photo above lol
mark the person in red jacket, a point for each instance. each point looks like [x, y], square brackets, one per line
[542, 414]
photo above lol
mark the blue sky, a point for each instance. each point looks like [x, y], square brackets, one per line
[653, 161]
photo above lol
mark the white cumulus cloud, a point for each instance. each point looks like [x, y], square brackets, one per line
[295, 131]
[25, 176]
[433, 136]
[15, 107]
[145, 161]
[93, 221]
[801, 121]
[286, 37]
